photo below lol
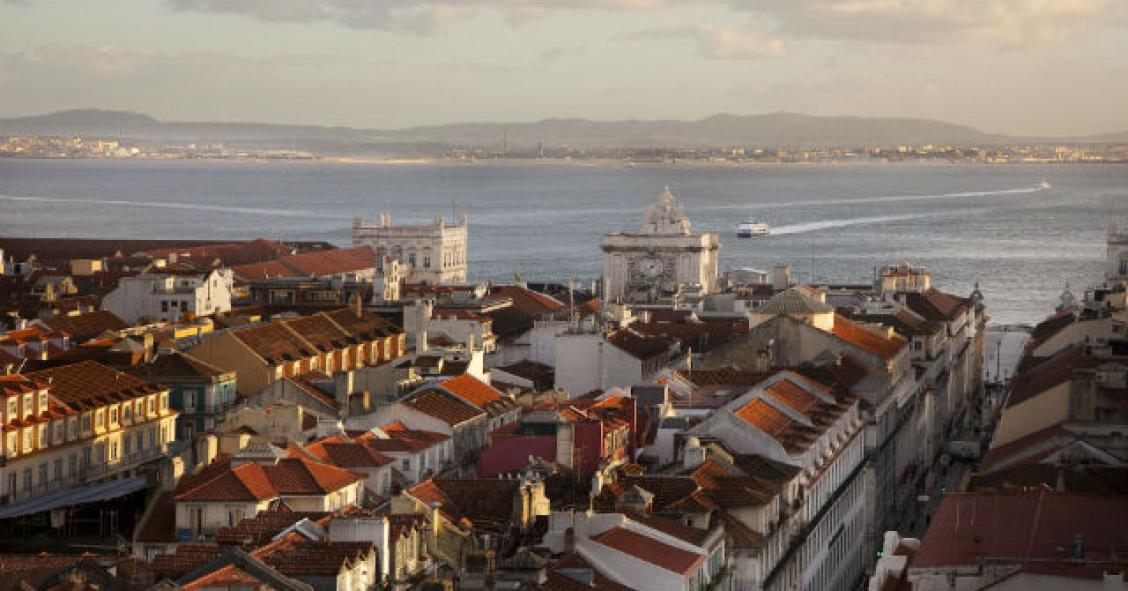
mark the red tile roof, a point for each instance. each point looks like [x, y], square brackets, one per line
[321, 263]
[869, 340]
[481, 503]
[480, 394]
[257, 482]
[444, 407]
[229, 253]
[640, 346]
[1050, 373]
[87, 385]
[348, 454]
[1023, 528]
[87, 326]
[936, 305]
[650, 550]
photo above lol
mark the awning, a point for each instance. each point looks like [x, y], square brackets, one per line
[69, 497]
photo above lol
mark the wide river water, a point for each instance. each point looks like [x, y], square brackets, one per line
[967, 223]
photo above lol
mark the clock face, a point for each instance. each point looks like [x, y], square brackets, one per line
[651, 266]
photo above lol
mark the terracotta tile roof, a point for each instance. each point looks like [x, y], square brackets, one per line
[869, 340]
[725, 376]
[936, 305]
[320, 331]
[650, 550]
[1026, 527]
[256, 482]
[307, 558]
[764, 417]
[274, 343]
[178, 365]
[670, 527]
[263, 527]
[529, 302]
[444, 407]
[640, 346]
[348, 454]
[367, 326]
[87, 326]
[88, 385]
[793, 396]
[558, 578]
[187, 557]
[700, 336]
[480, 394]
[480, 503]
[319, 263]
[230, 253]
[227, 577]
[1049, 373]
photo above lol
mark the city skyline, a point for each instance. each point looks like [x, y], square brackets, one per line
[1017, 68]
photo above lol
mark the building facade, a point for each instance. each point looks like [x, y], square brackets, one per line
[435, 253]
[77, 425]
[662, 257]
[169, 296]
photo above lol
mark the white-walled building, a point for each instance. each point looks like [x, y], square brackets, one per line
[434, 253]
[168, 296]
[591, 360]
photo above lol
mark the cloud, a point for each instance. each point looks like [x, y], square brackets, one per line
[720, 41]
[400, 15]
[1010, 24]
[725, 42]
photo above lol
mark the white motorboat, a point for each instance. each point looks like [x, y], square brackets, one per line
[752, 227]
[1045, 185]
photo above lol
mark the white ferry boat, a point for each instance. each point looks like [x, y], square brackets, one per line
[752, 227]
[1045, 185]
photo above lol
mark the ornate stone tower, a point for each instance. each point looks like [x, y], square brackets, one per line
[663, 256]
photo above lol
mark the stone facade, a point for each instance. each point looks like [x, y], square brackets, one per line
[662, 257]
[435, 253]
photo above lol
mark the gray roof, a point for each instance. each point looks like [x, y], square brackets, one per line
[794, 301]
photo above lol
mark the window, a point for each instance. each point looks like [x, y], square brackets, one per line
[43, 475]
[127, 411]
[72, 465]
[99, 420]
[164, 305]
[86, 457]
[127, 444]
[42, 402]
[11, 484]
[234, 516]
[113, 451]
[406, 464]
[59, 470]
[426, 262]
[27, 479]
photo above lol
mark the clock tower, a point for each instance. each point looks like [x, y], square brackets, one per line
[665, 254]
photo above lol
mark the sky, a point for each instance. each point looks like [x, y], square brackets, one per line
[1021, 67]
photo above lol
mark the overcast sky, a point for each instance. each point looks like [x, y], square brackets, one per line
[1008, 66]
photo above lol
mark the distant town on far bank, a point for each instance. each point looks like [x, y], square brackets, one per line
[719, 139]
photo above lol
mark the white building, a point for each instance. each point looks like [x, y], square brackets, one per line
[168, 296]
[663, 256]
[435, 253]
[590, 360]
[1117, 269]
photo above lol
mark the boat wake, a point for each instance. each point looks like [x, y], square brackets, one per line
[899, 198]
[827, 224]
[292, 213]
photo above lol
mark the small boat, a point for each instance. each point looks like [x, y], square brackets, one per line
[752, 227]
[1044, 185]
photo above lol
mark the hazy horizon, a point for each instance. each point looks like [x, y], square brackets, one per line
[1010, 67]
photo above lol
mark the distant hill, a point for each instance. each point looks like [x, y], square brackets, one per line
[768, 130]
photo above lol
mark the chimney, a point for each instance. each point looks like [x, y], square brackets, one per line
[694, 454]
[357, 307]
[421, 344]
